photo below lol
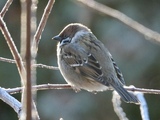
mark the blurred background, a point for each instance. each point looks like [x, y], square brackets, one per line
[138, 59]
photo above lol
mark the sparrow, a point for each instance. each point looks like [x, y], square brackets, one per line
[85, 62]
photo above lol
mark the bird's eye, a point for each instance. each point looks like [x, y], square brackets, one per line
[65, 41]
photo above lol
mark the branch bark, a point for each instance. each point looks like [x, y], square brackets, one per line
[117, 106]
[39, 65]
[41, 26]
[28, 95]
[13, 49]
[148, 33]
[143, 106]
[6, 7]
[67, 86]
[11, 101]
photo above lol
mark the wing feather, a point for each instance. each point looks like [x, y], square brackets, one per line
[118, 72]
[89, 67]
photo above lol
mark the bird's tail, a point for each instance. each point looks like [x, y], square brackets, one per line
[125, 95]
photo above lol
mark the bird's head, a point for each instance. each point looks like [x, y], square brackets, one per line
[71, 31]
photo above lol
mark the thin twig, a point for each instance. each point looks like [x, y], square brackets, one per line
[12, 48]
[40, 87]
[5, 8]
[7, 60]
[39, 65]
[45, 66]
[143, 90]
[66, 86]
[148, 33]
[147, 91]
[42, 24]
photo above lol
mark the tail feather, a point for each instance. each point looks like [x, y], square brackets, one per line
[125, 95]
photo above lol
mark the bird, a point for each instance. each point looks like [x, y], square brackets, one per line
[85, 62]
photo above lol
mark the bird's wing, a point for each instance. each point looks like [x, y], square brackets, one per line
[87, 66]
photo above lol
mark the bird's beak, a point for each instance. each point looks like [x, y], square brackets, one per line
[57, 37]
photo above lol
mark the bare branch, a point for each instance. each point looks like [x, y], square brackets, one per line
[7, 60]
[147, 91]
[143, 106]
[45, 66]
[117, 106]
[39, 65]
[148, 33]
[15, 104]
[55, 86]
[143, 90]
[5, 8]
[42, 24]
[27, 89]
[28, 26]
[119, 111]
[40, 87]
[12, 48]
[67, 86]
